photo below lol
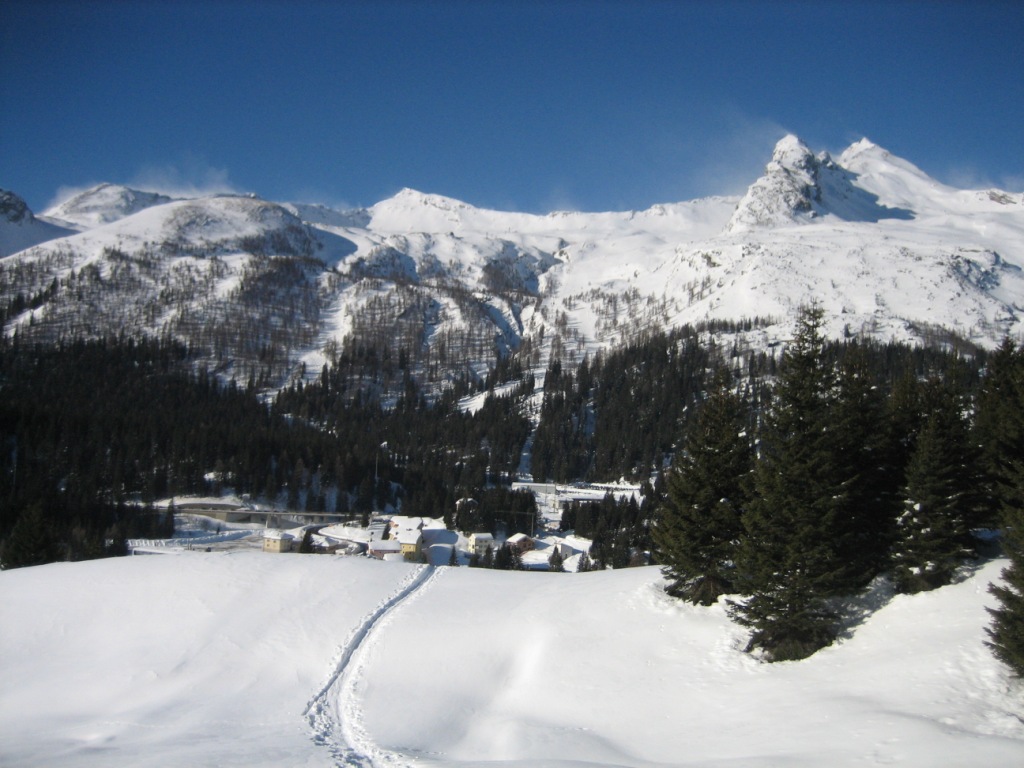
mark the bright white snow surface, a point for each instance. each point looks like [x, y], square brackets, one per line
[251, 659]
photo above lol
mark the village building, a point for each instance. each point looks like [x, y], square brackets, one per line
[385, 548]
[479, 542]
[277, 541]
[410, 542]
[521, 542]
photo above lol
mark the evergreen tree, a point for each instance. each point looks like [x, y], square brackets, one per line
[453, 559]
[515, 559]
[1006, 634]
[1007, 630]
[584, 564]
[556, 561]
[503, 558]
[699, 524]
[787, 563]
[864, 449]
[998, 428]
[31, 542]
[933, 535]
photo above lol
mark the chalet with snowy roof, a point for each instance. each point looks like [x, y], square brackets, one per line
[521, 542]
[381, 549]
[404, 523]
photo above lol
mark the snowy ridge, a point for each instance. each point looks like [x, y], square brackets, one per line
[103, 204]
[888, 253]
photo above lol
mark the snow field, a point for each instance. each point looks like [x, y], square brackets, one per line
[253, 659]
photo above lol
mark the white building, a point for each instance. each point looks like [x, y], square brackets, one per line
[479, 542]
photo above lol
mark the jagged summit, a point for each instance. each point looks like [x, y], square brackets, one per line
[799, 186]
[19, 227]
[787, 191]
[12, 208]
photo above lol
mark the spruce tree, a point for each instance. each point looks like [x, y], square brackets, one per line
[787, 562]
[699, 523]
[584, 565]
[997, 426]
[864, 447]
[1007, 630]
[933, 535]
[556, 561]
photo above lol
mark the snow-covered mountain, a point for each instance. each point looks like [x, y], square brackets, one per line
[103, 204]
[886, 251]
[20, 228]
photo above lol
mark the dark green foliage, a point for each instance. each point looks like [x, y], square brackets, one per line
[617, 528]
[999, 430]
[699, 524]
[933, 535]
[556, 563]
[516, 511]
[504, 558]
[787, 562]
[865, 449]
[31, 542]
[1006, 633]
[620, 413]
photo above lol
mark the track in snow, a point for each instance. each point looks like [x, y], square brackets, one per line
[334, 714]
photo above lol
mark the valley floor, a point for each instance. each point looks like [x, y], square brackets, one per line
[246, 659]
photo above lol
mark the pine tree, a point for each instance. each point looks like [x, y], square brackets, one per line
[997, 426]
[31, 541]
[787, 562]
[933, 536]
[1007, 630]
[556, 561]
[699, 524]
[864, 448]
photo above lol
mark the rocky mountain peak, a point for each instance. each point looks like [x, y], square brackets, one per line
[787, 190]
[13, 208]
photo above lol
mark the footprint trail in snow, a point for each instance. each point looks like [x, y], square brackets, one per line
[334, 714]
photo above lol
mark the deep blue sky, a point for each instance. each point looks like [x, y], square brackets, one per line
[520, 105]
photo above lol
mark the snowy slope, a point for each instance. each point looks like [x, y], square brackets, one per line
[258, 660]
[103, 204]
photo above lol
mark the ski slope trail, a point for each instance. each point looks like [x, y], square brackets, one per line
[334, 714]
